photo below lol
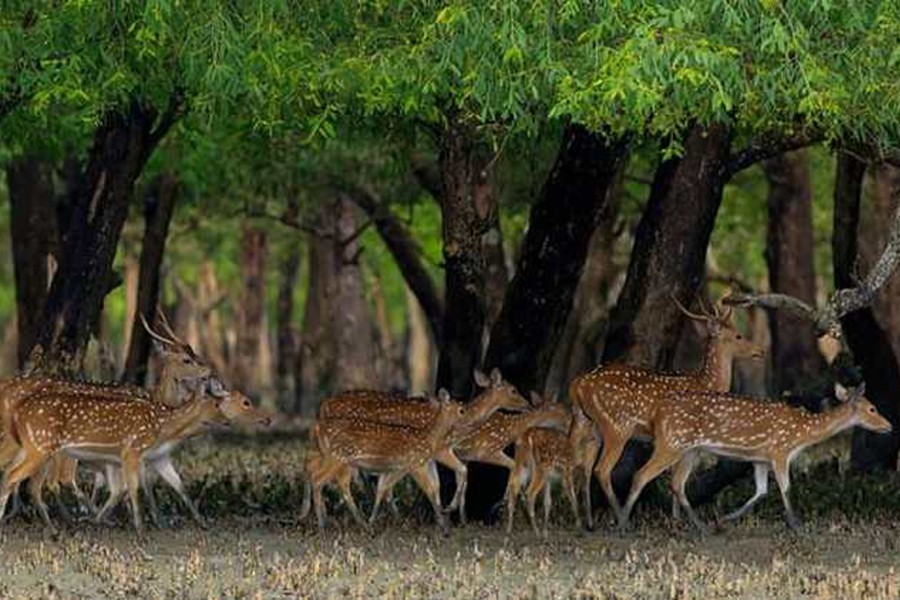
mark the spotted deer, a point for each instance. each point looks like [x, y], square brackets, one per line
[179, 364]
[544, 454]
[348, 444]
[770, 434]
[125, 432]
[621, 400]
[381, 407]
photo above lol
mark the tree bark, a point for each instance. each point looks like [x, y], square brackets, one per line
[33, 232]
[122, 144]
[467, 207]
[669, 252]
[286, 386]
[875, 220]
[317, 344]
[539, 299]
[867, 340]
[250, 375]
[159, 205]
[351, 316]
[790, 257]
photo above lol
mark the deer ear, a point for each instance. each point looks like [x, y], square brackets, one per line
[536, 399]
[481, 379]
[860, 390]
[840, 392]
[443, 395]
[496, 377]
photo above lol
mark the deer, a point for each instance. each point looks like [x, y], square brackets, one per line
[621, 400]
[348, 444]
[543, 454]
[179, 364]
[770, 434]
[125, 432]
[495, 394]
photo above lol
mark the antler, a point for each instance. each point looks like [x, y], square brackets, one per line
[155, 335]
[695, 316]
[161, 317]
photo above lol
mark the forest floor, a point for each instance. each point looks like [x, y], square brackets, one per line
[256, 548]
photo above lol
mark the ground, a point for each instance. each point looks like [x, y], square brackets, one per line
[256, 548]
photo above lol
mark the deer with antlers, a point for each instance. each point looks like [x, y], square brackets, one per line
[770, 434]
[179, 365]
[345, 445]
[542, 455]
[380, 407]
[622, 400]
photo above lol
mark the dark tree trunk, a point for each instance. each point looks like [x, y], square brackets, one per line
[867, 340]
[407, 255]
[286, 385]
[99, 205]
[875, 220]
[537, 304]
[790, 255]
[250, 374]
[351, 316]
[467, 207]
[159, 205]
[317, 345]
[33, 232]
[496, 275]
[669, 252]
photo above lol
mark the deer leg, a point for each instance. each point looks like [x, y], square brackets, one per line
[498, 459]
[761, 478]
[150, 495]
[517, 477]
[131, 471]
[535, 485]
[587, 469]
[548, 506]
[36, 491]
[569, 486]
[613, 446]
[167, 471]
[113, 477]
[449, 459]
[680, 476]
[344, 481]
[386, 483]
[426, 478]
[661, 460]
[29, 462]
[783, 479]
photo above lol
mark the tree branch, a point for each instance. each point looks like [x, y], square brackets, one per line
[428, 176]
[768, 147]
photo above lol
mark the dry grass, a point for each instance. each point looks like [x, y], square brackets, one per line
[257, 549]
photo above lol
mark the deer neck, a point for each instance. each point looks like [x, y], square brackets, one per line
[531, 420]
[717, 365]
[829, 423]
[187, 420]
[166, 389]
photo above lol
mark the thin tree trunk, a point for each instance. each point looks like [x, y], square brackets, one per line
[875, 220]
[790, 257]
[132, 268]
[317, 344]
[668, 258]
[496, 276]
[251, 333]
[867, 340]
[159, 205]
[289, 270]
[33, 231]
[420, 353]
[467, 208]
[122, 144]
[351, 317]
[571, 204]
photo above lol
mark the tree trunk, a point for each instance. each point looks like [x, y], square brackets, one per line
[467, 207]
[286, 386]
[251, 332]
[317, 343]
[867, 340]
[159, 205]
[352, 323]
[790, 255]
[537, 304]
[496, 276]
[669, 252]
[99, 205]
[875, 220]
[420, 348]
[33, 231]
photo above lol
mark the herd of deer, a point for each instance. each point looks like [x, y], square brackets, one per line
[123, 433]
[681, 414]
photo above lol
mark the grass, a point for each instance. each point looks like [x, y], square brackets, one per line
[256, 548]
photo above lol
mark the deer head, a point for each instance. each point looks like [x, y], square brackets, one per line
[500, 392]
[864, 412]
[718, 325]
[180, 362]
